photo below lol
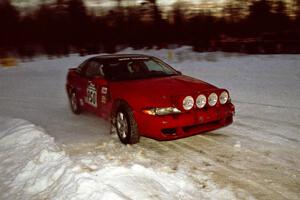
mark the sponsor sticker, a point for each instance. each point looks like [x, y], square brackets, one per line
[104, 90]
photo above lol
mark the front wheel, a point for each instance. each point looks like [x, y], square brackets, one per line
[126, 126]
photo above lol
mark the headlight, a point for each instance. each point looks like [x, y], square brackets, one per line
[212, 99]
[223, 97]
[201, 101]
[161, 111]
[188, 102]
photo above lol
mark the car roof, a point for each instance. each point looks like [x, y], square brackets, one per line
[121, 56]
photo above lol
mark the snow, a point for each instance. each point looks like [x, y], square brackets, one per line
[34, 167]
[64, 156]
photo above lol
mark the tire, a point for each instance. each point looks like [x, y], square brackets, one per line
[74, 103]
[126, 126]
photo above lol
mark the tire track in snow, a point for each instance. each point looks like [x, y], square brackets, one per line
[190, 157]
[266, 140]
[206, 137]
[285, 157]
[181, 161]
[213, 153]
[269, 133]
[286, 123]
[273, 121]
[186, 151]
[231, 177]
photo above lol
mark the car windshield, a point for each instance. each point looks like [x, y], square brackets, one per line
[136, 68]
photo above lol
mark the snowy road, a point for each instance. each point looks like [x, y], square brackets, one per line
[256, 157]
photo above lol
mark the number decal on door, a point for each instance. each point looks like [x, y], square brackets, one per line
[92, 95]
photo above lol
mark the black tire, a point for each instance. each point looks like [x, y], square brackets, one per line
[74, 103]
[127, 134]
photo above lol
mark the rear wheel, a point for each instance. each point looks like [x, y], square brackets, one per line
[126, 126]
[75, 107]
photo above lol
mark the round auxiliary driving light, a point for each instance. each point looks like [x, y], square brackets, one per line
[188, 102]
[212, 99]
[223, 97]
[201, 101]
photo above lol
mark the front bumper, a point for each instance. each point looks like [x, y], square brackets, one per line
[176, 126]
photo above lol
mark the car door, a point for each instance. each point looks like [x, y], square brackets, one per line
[80, 82]
[95, 87]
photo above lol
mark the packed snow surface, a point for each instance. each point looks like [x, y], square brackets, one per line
[32, 166]
[64, 156]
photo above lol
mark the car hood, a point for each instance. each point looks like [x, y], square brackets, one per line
[158, 91]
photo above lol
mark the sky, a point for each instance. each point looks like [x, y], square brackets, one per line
[92, 3]
[212, 5]
[97, 5]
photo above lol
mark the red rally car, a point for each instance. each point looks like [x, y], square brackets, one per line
[143, 96]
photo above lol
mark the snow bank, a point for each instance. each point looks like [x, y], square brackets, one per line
[32, 166]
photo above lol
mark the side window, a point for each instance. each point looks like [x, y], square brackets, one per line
[156, 65]
[153, 66]
[93, 68]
